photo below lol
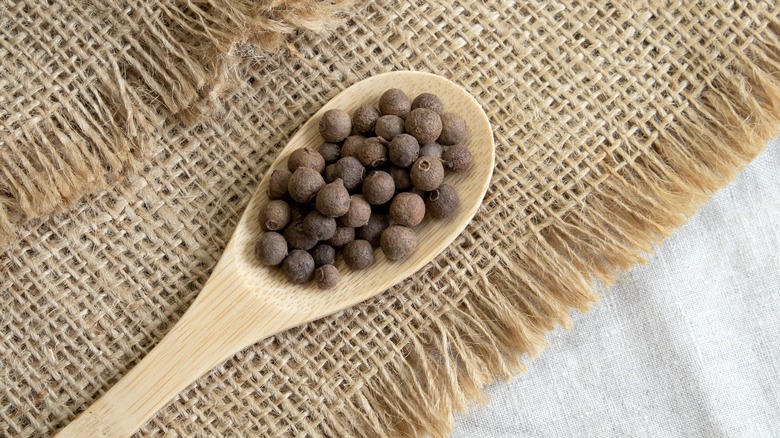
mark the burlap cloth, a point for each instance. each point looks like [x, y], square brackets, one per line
[612, 123]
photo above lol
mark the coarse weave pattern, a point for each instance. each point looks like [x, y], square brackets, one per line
[611, 123]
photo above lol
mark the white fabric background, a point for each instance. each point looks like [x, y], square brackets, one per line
[687, 345]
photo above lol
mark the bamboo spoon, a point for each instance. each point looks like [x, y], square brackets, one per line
[244, 302]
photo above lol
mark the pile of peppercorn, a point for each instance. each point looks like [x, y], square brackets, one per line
[376, 176]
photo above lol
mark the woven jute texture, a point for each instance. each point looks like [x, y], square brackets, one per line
[613, 122]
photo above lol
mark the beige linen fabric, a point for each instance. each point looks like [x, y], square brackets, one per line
[612, 122]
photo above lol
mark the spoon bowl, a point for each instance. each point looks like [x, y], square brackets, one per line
[244, 302]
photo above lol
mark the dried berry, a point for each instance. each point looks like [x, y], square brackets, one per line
[329, 170]
[453, 129]
[333, 199]
[403, 150]
[298, 266]
[305, 157]
[277, 183]
[373, 153]
[304, 184]
[418, 192]
[378, 187]
[407, 209]
[350, 171]
[341, 237]
[330, 152]
[319, 226]
[323, 254]
[443, 202]
[326, 276]
[358, 254]
[388, 127]
[352, 146]
[372, 231]
[430, 101]
[297, 238]
[358, 214]
[335, 125]
[394, 102]
[398, 242]
[427, 173]
[364, 119]
[424, 125]
[271, 249]
[401, 178]
[276, 216]
[431, 150]
[457, 158]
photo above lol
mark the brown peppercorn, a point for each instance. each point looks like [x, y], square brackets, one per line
[364, 119]
[352, 145]
[407, 209]
[318, 226]
[358, 214]
[304, 184]
[333, 199]
[323, 254]
[431, 150]
[403, 150]
[326, 276]
[277, 183]
[443, 202]
[427, 173]
[341, 237]
[276, 216]
[335, 125]
[430, 101]
[378, 187]
[398, 242]
[453, 129]
[372, 231]
[297, 238]
[401, 178]
[358, 254]
[350, 171]
[271, 249]
[394, 102]
[373, 153]
[424, 125]
[298, 266]
[331, 152]
[388, 127]
[305, 157]
[329, 170]
[457, 158]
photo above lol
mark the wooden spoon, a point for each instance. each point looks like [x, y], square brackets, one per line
[244, 302]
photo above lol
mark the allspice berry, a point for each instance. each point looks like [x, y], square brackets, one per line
[350, 171]
[319, 226]
[401, 178]
[394, 102]
[335, 125]
[352, 146]
[424, 125]
[271, 249]
[297, 238]
[341, 237]
[407, 209]
[358, 214]
[442, 202]
[333, 199]
[326, 276]
[305, 157]
[331, 152]
[372, 231]
[388, 127]
[453, 129]
[277, 183]
[298, 266]
[373, 153]
[403, 150]
[431, 150]
[276, 215]
[457, 158]
[358, 254]
[398, 242]
[323, 254]
[378, 187]
[430, 101]
[364, 119]
[427, 173]
[304, 184]
[329, 170]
